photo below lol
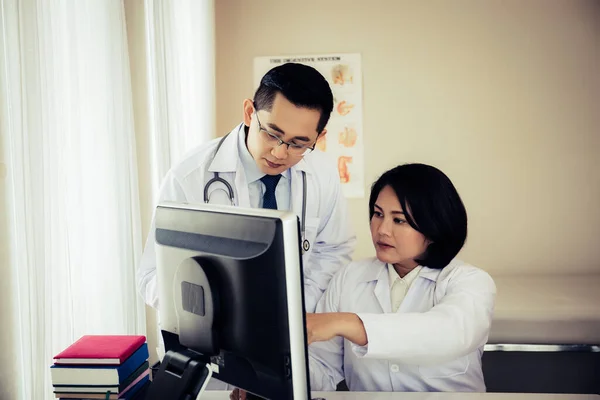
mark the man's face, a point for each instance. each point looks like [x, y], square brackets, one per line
[292, 124]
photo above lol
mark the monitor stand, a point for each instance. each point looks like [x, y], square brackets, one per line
[182, 375]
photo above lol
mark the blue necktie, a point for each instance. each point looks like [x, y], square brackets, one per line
[269, 200]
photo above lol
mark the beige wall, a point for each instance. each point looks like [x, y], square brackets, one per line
[501, 95]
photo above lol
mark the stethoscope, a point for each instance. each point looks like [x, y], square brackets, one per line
[229, 192]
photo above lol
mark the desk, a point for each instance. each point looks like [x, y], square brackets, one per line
[551, 311]
[223, 395]
[547, 310]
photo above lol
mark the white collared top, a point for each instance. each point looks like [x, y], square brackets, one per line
[434, 341]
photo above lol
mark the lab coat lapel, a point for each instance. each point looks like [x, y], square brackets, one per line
[382, 292]
[227, 158]
[376, 274]
[420, 295]
[296, 191]
[417, 296]
[241, 184]
[227, 161]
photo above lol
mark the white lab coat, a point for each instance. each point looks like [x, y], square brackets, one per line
[328, 227]
[434, 341]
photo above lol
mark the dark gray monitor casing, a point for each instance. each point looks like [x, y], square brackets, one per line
[235, 274]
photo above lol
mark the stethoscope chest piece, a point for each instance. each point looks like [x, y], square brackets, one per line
[305, 245]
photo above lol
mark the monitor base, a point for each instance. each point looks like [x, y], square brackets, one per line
[182, 376]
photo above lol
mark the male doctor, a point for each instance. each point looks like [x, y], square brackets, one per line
[270, 161]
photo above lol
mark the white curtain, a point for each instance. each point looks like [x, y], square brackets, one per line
[179, 108]
[71, 181]
[181, 85]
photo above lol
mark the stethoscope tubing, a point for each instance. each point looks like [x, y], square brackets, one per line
[230, 193]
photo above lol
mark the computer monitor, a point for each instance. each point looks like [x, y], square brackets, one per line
[230, 286]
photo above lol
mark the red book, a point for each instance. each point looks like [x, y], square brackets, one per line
[100, 349]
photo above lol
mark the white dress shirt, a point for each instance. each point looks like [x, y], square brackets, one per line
[256, 189]
[433, 343]
[399, 286]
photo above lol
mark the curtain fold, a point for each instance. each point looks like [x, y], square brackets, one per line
[72, 202]
[179, 110]
[181, 79]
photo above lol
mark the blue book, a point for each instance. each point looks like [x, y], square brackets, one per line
[74, 375]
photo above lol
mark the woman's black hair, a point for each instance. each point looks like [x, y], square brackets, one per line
[431, 205]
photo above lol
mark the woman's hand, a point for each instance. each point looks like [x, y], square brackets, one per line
[321, 327]
[237, 394]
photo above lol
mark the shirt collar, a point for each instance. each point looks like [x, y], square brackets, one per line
[376, 268]
[251, 170]
[408, 278]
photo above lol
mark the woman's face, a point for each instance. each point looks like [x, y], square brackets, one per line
[395, 241]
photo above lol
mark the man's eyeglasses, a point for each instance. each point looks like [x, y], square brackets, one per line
[296, 149]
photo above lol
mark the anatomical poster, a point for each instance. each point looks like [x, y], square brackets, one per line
[344, 139]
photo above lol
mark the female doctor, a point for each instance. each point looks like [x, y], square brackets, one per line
[414, 318]
[268, 161]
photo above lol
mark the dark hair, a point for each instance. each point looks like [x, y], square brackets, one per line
[431, 205]
[302, 85]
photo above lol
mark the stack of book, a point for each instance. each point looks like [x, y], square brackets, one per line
[102, 367]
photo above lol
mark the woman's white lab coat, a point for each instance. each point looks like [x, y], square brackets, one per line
[327, 225]
[433, 343]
